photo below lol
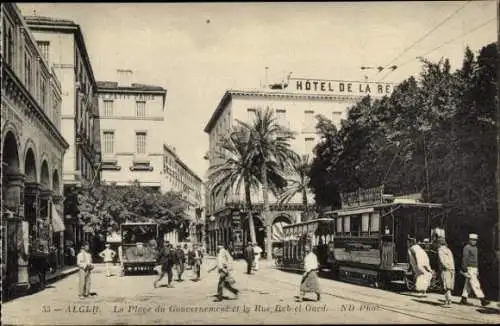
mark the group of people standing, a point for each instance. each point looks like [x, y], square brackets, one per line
[424, 274]
[170, 258]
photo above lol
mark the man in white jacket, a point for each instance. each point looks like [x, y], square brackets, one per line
[257, 252]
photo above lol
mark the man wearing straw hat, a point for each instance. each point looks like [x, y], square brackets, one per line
[469, 267]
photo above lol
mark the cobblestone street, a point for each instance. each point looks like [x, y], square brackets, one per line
[268, 296]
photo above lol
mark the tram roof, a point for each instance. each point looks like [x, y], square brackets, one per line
[368, 208]
[323, 219]
[139, 223]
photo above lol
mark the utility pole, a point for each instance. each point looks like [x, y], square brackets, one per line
[498, 127]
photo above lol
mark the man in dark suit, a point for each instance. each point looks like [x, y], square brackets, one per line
[249, 257]
[179, 262]
[165, 260]
[195, 259]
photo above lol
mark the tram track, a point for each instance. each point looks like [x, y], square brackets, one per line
[400, 310]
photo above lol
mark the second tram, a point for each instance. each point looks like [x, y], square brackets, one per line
[364, 243]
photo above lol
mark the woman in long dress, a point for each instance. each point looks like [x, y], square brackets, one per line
[421, 266]
[310, 282]
[447, 266]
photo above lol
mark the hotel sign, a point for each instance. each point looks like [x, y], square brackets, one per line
[340, 87]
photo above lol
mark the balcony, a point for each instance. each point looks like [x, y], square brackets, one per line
[141, 164]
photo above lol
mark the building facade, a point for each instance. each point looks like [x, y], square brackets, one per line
[63, 47]
[178, 177]
[132, 122]
[32, 153]
[295, 105]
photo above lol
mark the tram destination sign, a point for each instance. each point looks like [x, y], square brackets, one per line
[362, 197]
[340, 87]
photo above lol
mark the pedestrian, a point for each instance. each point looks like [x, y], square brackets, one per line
[195, 259]
[224, 262]
[165, 260]
[84, 262]
[107, 255]
[120, 257]
[419, 261]
[447, 268]
[470, 271]
[179, 262]
[249, 257]
[257, 253]
[186, 252]
[310, 282]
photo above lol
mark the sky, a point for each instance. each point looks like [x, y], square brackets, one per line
[199, 50]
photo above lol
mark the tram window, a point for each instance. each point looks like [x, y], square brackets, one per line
[375, 222]
[365, 219]
[339, 224]
[355, 226]
[347, 224]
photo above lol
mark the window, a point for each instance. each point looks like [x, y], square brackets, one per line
[375, 222]
[43, 95]
[9, 45]
[140, 109]
[309, 145]
[109, 141]
[44, 49]
[108, 108]
[309, 121]
[27, 71]
[336, 117]
[339, 224]
[281, 118]
[347, 224]
[365, 219]
[251, 114]
[141, 142]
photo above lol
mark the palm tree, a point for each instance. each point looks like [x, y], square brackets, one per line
[270, 142]
[234, 171]
[298, 182]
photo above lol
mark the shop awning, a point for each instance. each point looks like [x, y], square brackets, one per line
[57, 222]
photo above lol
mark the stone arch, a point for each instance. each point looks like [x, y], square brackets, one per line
[277, 226]
[10, 153]
[30, 165]
[45, 176]
[56, 186]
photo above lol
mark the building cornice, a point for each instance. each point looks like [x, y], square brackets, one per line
[181, 163]
[13, 85]
[64, 26]
[131, 118]
[273, 94]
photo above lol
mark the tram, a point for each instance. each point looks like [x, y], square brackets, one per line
[366, 241]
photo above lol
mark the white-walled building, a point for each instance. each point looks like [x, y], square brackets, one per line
[132, 125]
[296, 105]
[178, 177]
[62, 45]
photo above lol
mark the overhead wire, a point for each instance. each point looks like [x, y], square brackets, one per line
[427, 34]
[448, 42]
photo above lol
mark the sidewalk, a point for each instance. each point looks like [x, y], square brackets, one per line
[57, 275]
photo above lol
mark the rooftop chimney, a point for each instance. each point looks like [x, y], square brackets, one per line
[124, 77]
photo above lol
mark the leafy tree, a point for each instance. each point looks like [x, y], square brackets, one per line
[324, 181]
[434, 135]
[105, 207]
